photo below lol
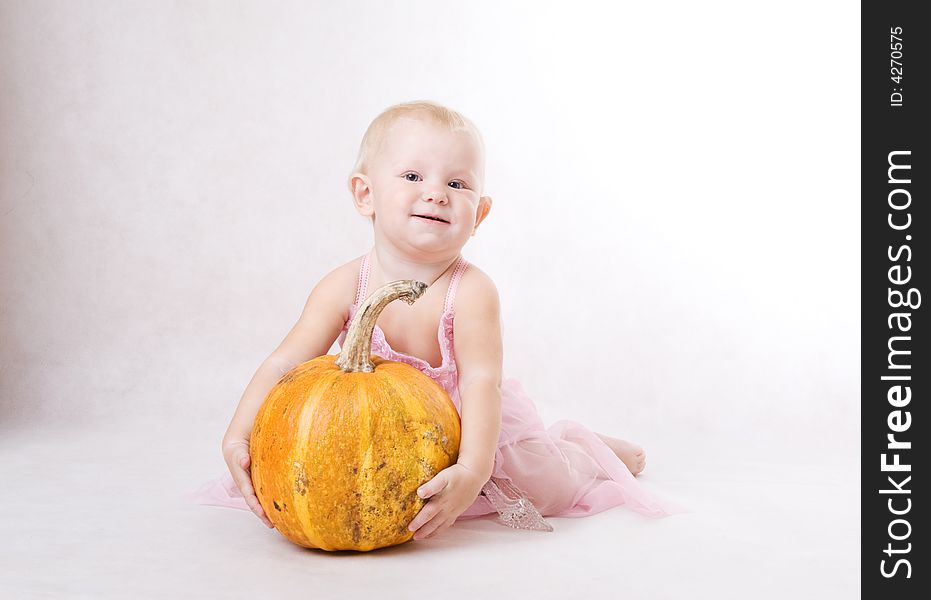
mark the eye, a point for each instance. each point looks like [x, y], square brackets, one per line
[408, 176]
[462, 184]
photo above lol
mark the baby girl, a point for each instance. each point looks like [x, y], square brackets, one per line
[419, 178]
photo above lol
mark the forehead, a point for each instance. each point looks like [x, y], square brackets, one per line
[413, 138]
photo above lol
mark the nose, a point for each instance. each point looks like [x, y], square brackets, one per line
[435, 196]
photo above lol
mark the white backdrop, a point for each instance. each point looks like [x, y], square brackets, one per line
[173, 184]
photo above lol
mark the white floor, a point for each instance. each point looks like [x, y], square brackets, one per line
[98, 512]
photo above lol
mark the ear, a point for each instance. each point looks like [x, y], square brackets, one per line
[361, 187]
[484, 206]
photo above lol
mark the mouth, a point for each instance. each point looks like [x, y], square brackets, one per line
[432, 218]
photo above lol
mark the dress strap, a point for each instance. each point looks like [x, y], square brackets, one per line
[363, 284]
[461, 266]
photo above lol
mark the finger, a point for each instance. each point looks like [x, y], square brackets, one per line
[442, 528]
[244, 483]
[425, 515]
[431, 528]
[432, 487]
[256, 507]
[265, 519]
[425, 529]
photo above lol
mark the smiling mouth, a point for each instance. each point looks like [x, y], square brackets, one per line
[432, 218]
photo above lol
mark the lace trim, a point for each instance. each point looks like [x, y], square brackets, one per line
[514, 508]
[381, 347]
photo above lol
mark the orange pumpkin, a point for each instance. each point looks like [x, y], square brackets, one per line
[341, 443]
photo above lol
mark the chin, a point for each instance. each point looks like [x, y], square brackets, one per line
[430, 249]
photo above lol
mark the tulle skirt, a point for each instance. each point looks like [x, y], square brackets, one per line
[565, 470]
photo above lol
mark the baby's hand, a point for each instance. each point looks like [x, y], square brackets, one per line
[236, 454]
[451, 492]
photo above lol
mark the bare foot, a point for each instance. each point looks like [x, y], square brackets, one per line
[634, 456]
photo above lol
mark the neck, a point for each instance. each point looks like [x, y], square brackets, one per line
[390, 266]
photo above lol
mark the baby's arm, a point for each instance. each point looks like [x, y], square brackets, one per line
[478, 360]
[315, 331]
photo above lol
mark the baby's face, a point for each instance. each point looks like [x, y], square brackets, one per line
[422, 170]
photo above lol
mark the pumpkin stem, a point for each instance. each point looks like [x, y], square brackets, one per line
[354, 356]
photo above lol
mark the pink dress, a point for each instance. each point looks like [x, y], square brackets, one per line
[563, 471]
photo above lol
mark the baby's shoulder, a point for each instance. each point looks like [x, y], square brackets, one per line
[338, 287]
[476, 289]
[348, 272]
[344, 275]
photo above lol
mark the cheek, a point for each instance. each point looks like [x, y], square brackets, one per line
[467, 216]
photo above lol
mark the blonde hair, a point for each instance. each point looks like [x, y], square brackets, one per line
[375, 135]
